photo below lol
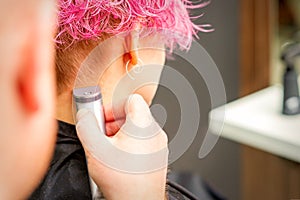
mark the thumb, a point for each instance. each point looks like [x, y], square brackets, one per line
[139, 121]
[88, 131]
[138, 111]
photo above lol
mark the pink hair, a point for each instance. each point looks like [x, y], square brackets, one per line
[88, 19]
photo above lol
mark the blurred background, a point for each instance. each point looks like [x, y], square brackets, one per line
[246, 46]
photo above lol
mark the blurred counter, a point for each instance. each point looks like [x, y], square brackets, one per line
[270, 154]
[256, 121]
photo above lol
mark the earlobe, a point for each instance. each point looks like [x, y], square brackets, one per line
[26, 82]
[134, 57]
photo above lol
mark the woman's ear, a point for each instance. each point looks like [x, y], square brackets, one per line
[27, 79]
[132, 42]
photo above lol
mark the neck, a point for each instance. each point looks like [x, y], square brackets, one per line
[64, 107]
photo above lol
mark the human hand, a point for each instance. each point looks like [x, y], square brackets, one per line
[132, 162]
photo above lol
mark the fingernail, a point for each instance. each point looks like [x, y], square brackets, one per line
[135, 102]
[139, 111]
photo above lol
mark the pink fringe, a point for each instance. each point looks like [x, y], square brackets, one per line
[88, 19]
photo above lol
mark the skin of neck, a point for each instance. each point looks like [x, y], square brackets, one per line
[64, 107]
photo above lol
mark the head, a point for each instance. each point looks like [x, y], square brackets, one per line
[85, 24]
[27, 129]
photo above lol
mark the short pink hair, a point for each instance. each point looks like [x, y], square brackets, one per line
[88, 19]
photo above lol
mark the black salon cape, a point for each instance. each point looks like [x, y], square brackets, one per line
[67, 176]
